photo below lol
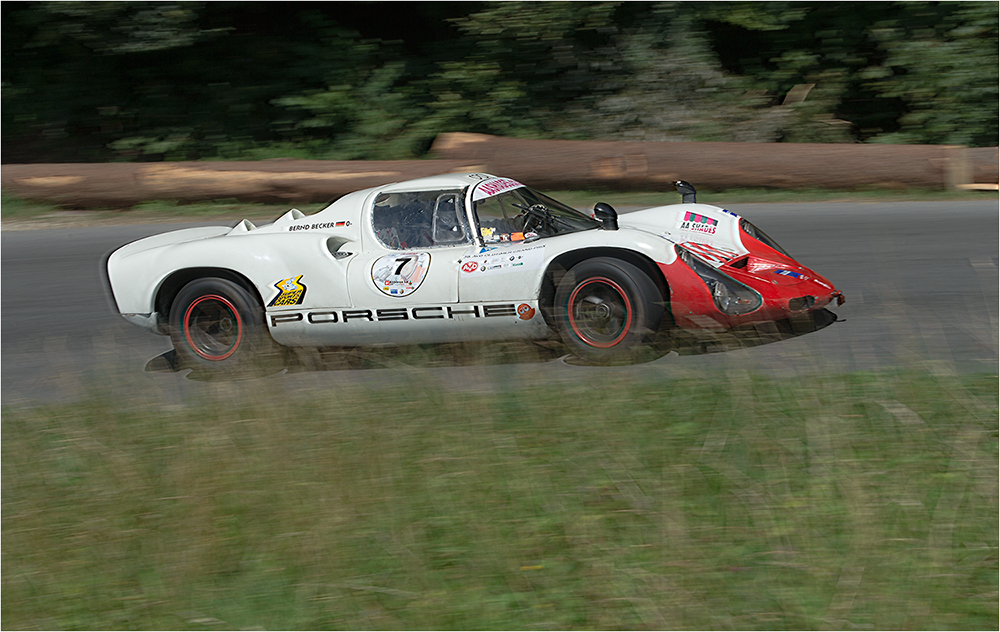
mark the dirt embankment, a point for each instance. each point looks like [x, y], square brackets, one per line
[118, 185]
[547, 164]
[637, 165]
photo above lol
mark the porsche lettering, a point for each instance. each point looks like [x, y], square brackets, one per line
[445, 312]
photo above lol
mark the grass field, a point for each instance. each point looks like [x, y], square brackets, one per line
[19, 210]
[720, 500]
[862, 501]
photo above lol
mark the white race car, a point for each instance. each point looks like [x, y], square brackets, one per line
[457, 257]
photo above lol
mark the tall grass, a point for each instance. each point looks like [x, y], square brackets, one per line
[866, 500]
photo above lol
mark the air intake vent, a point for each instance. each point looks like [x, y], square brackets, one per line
[801, 304]
[334, 245]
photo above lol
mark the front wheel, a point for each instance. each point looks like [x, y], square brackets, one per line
[218, 327]
[608, 311]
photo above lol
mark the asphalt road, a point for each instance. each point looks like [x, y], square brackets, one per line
[920, 280]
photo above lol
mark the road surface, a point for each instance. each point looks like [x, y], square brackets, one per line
[920, 280]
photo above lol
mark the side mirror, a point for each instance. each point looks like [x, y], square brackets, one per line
[686, 190]
[606, 215]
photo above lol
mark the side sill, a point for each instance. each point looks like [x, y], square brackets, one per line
[150, 322]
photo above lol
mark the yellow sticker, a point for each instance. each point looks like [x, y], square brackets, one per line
[291, 291]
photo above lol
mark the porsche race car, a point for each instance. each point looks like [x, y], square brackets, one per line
[458, 257]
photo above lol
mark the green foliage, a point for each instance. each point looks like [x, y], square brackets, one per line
[720, 501]
[16, 208]
[946, 72]
[902, 72]
[124, 27]
[154, 81]
[673, 88]
[533, 60]
[370, 119]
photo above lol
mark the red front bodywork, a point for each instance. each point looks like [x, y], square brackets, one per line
[783, 284]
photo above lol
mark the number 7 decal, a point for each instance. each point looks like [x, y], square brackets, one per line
[400, 274]
[402, 264]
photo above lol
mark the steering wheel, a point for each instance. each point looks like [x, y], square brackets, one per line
[537, 217]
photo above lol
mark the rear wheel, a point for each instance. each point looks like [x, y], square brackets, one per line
[608, 311]
[218, 327]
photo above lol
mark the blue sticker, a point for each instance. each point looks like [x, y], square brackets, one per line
[796, 275]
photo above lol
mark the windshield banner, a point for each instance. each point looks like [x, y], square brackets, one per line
[493, 186]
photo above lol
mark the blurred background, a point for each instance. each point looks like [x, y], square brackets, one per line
[846, 479]
[149, 81]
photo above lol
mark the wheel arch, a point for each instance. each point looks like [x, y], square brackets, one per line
[172, 284]
[562, 263]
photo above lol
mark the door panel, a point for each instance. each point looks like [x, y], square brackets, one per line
[392, 278]
[508, 272]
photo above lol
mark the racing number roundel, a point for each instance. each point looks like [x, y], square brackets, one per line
[400, 274]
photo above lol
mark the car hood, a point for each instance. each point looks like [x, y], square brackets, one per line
[714, 231]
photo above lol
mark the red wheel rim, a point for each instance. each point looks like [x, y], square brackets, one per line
[599, 312]
[212, 327]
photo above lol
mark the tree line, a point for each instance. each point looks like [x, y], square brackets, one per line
[129, 81]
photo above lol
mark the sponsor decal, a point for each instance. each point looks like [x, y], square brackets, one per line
[401, 274]
[493, 237]
[502, 260]
[699, 223]
[789, 273]
[320, 226]
[291, 291]
[434, 312]
[712, 254]
[493, 186]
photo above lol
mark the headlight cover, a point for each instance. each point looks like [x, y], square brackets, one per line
[731, 297]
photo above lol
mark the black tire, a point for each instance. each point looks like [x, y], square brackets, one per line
[218, 328]
[608, 311]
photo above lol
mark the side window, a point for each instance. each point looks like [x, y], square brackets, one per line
[496, 217]
[424, 219]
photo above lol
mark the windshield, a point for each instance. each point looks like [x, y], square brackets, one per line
[524, 213]
[761, 236]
